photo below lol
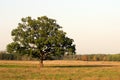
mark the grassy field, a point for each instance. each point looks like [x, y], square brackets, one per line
[59, 70]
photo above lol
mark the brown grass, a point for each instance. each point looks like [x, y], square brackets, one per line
[59, 70]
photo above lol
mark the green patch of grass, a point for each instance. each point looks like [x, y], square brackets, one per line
[15, 66]
[11, 66]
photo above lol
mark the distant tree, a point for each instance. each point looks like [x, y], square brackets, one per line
[41, 37]
[94, 58]
[104, 58]
[84, 57]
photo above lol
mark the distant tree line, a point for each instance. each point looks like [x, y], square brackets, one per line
[90, 57]
[94, 57]
[16, 56]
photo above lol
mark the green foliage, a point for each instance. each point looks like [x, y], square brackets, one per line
[114, 57]
[41, 37]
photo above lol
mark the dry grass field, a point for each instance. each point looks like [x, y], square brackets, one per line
[59, 70]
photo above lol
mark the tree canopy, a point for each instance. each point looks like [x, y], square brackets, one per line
[40, 37]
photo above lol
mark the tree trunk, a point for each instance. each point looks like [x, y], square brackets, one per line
[41, 61]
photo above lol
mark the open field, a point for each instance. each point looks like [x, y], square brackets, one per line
[59, 70]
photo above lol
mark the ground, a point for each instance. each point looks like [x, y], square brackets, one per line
[59, 70]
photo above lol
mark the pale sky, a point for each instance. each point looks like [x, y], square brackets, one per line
[93, 24]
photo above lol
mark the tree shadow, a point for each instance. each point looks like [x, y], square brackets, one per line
[79, 66]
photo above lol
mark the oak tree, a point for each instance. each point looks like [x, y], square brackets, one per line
[41, 37]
